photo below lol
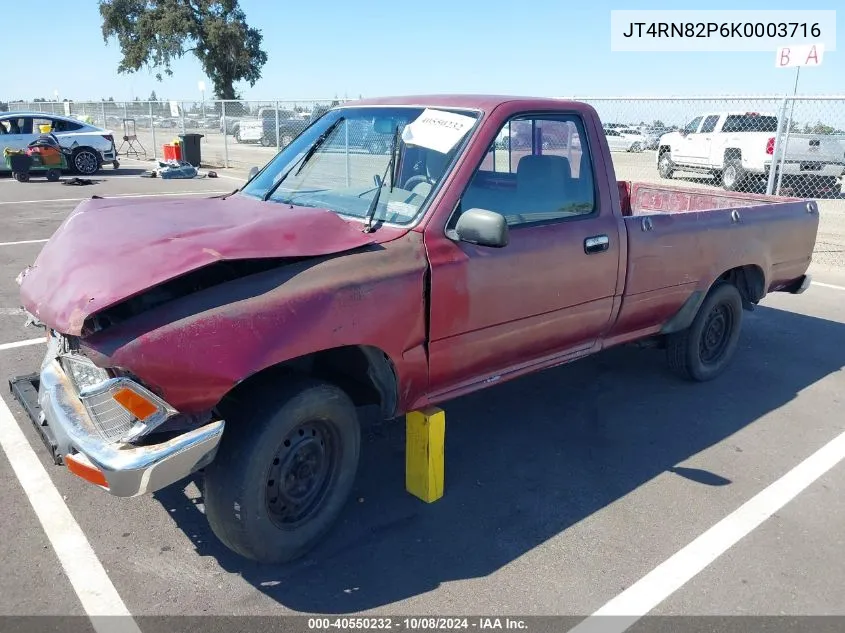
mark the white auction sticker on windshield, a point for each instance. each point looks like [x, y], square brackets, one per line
[437, 130]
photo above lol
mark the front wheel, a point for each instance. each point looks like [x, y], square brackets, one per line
[284, 470]
[703, 350]
[733, 176]
[665, 166]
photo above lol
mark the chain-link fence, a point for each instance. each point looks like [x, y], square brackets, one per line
[234, 133]
[727, 142]
[732, 143]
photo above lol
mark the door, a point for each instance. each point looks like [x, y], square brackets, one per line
[15, 133]
[701, 142]
[684, 152]
[550, 291]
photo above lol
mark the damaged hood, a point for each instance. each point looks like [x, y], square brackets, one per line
[108, 250]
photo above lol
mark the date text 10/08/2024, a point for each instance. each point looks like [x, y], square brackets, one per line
[416, 624]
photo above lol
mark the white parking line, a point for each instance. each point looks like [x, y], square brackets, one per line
[32, 341]
[81, 565]
[126, 195]
[818, 283]
[23, 242]
[653, 588]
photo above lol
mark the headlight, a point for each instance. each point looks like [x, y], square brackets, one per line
[83, 373]
[123, 410]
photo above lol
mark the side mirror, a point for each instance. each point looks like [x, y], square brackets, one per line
[482, 227]
[252, 173]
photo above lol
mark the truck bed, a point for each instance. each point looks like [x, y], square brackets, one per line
[638, 198]
[679, 241]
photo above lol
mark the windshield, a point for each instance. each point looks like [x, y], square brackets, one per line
[344, 169]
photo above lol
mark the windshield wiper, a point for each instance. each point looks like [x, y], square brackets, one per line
[371, 210]
[305, 157]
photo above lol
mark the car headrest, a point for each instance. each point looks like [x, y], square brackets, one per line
[542, 171]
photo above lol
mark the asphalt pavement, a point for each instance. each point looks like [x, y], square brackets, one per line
[564, 490]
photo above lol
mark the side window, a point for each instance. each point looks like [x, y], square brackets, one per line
[538, 169]
[42, 125]
[60, 125]
[710, 123]
[692, 126]
[18, 125]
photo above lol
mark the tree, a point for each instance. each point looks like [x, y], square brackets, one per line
[152, 33]
[153, 96]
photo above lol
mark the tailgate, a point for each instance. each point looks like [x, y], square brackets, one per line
[816, 148]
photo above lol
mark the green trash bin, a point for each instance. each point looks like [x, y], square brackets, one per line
[191, 152]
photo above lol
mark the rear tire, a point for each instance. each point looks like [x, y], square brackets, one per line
[85, 161]
[733, 176]
[21, 176]
[284, 469]
[703, 350]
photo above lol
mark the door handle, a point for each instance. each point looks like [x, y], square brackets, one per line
[596, 244]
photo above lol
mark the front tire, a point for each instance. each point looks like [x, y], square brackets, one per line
[284, 470]
[85, 161]
[703, 350]
[733, 176]
[665, 166]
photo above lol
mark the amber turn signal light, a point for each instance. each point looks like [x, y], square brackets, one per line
[84, 469]
[135, 403]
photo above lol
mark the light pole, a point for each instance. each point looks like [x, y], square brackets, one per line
[201, 86]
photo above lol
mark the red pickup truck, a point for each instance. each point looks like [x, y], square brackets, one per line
[239, 334]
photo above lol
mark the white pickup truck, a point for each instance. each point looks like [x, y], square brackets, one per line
[737, 148]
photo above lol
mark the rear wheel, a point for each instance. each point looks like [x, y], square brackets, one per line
[283, 471]
[704, 350]
[21, 176]
[85, 161]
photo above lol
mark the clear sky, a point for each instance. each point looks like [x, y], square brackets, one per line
[333, 48]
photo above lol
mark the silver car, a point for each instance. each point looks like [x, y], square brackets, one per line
[92, 147]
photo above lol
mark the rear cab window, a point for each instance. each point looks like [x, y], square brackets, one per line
[750, 122]
[537, 170]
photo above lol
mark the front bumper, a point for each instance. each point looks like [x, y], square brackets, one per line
[129, 470]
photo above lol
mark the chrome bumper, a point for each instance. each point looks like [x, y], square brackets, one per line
[129, 470]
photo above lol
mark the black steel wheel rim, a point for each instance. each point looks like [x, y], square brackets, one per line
[301, 473]
[715, 334]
